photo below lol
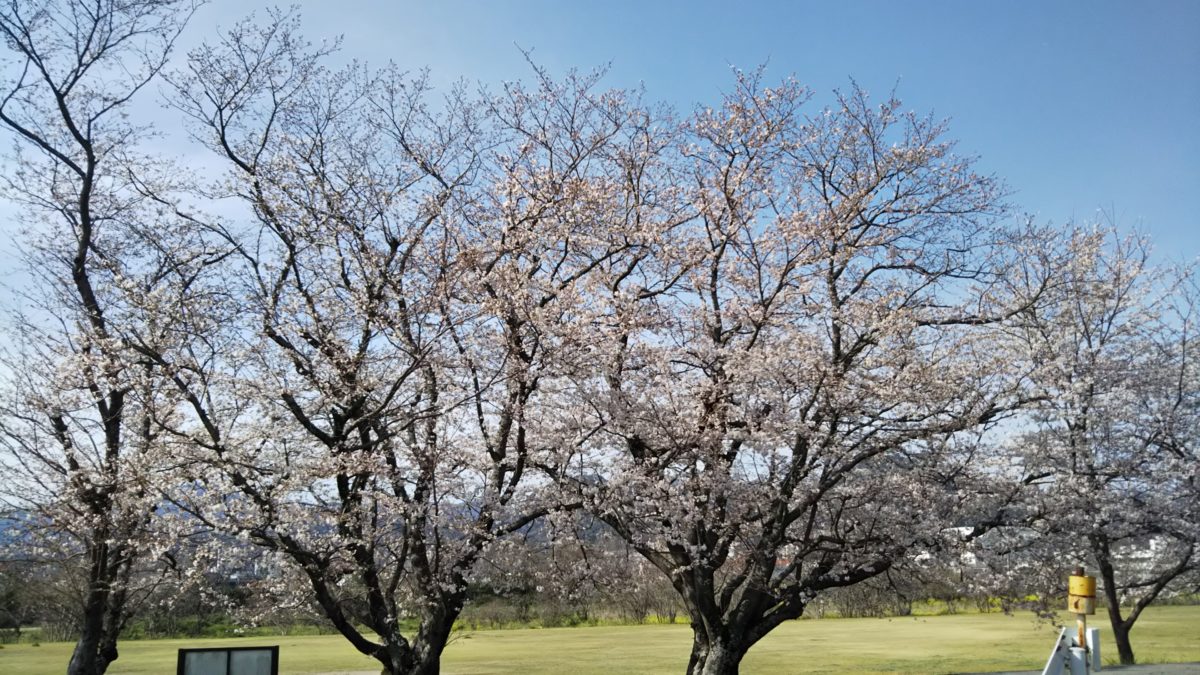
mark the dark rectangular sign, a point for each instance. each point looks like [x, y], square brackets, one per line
[229, 661]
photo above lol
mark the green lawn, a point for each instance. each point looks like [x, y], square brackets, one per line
[931, 644]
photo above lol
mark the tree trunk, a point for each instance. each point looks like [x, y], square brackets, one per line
[1120, 628]
[423, 656]
[427, 650]
[1124, 647]
[95, 649]
[714, 655]
[84, 657]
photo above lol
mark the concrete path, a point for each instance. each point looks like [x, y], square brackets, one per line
[1149, 669]
[1152, 669]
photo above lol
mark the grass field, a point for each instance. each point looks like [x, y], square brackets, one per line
[934, 644]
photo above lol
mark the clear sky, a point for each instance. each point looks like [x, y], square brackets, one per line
[1078, 106]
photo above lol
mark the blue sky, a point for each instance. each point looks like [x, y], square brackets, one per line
[1079, 106]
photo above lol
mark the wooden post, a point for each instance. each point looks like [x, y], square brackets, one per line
[1081, 599]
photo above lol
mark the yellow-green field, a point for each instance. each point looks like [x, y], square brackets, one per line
[931, 644]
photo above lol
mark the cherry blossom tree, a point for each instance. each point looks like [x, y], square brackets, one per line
[81, 458]
[785, 391]
[1110, 465]
[401, 275]
[768, 349]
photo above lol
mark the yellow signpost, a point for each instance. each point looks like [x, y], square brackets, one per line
[1083, 656]
[1081, 599]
